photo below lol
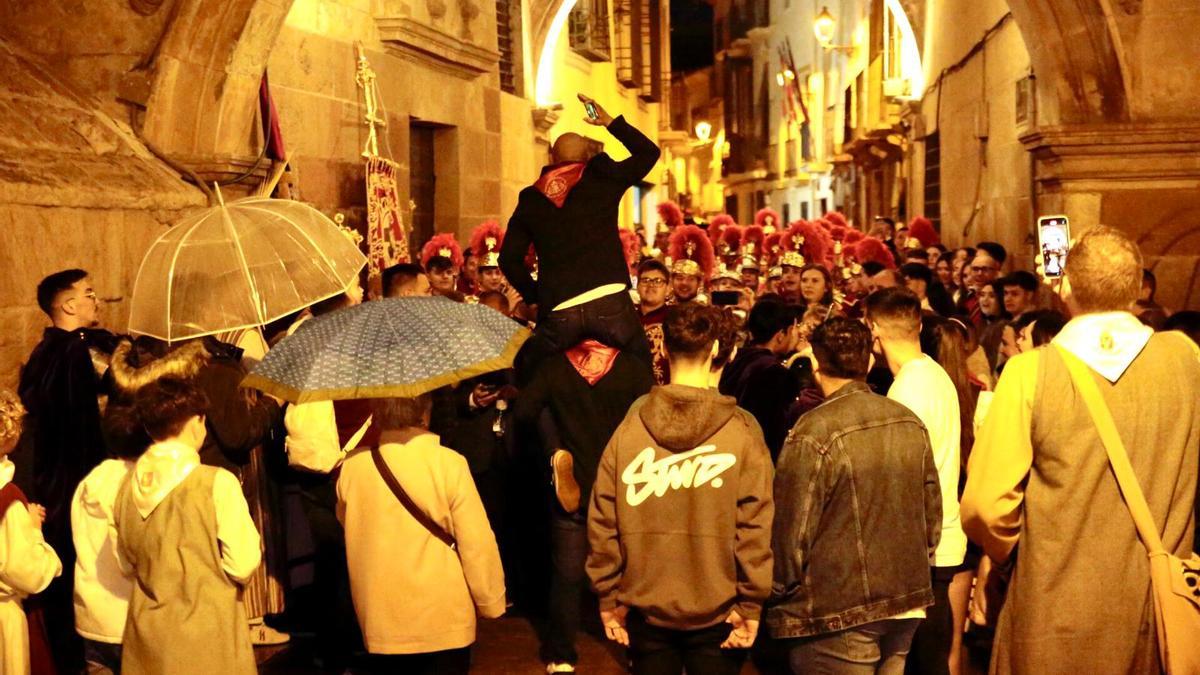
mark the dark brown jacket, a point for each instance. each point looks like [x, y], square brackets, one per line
[680, 518]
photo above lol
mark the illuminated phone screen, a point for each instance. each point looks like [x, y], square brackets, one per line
[1054, 237]
[591, 110]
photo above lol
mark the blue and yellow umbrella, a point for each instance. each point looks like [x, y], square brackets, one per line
[400, 347]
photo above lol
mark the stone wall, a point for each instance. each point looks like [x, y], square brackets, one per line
[77, 189]
[985, 170]
[1108, 137]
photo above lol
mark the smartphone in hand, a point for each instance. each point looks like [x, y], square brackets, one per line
[590, 107]
[1054, 239]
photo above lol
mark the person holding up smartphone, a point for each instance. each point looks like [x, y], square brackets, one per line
[569, 215]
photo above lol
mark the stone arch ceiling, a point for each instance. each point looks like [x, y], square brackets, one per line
[1077, 53]
[206, 76]
[198, 62]
[1106, 61]
[541, 15]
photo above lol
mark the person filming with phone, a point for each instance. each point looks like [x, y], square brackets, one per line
[569, 215]
[1086, 462]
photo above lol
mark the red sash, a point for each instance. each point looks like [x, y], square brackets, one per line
[592, 360]
[558, 182]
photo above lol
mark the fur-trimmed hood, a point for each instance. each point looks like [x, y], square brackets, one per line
[135, 367]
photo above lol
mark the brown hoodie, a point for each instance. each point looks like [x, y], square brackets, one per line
[680, 520]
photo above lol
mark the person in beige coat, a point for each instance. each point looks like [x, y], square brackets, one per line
[416, 597]
[1040, 487]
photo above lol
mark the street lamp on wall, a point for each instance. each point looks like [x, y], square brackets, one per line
[825, 26]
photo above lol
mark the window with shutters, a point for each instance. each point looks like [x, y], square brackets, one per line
[508, 14]
[627, 46]
[589, 30]
[652, 50]
[933, 180]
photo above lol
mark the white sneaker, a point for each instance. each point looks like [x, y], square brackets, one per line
[552, 668]
[262, 634]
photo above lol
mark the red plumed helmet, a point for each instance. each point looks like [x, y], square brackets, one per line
[443, 245]
[730, 242]
[753, 237]
[486, 240]
[691, 252]
[773, 248]
[826, 224]
[814, 242]
[718, 224]
[768, 218]
[854, 236]
[871, 249]
[670, 214]
[922, 230]
[836, 218]
[838, 233]
[631, 246]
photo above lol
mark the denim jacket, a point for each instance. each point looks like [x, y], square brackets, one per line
[858, 516]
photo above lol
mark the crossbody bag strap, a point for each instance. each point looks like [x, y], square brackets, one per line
[409, 505]
[1115, 447]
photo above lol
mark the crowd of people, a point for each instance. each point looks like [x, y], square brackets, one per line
[819, 448]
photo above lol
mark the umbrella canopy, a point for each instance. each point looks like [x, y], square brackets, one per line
[398, 347]
[240, 265]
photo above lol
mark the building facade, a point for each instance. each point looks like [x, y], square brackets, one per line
[109, 105]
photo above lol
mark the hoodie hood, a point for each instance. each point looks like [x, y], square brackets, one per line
[159, 471]
[681, 418]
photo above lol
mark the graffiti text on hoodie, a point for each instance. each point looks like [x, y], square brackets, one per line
[644, 476]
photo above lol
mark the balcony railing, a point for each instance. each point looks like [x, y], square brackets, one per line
[588, 30]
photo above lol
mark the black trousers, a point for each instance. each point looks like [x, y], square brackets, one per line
[930, 651]
[338, 634]
[611, 319]
[662, 651]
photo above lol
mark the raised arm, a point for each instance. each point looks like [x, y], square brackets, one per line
[643, 153]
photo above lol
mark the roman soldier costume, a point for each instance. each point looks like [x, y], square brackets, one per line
[443, 247]
[691, 253]
[486, 240]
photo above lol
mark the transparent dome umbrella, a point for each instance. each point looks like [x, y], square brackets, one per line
[240, 265]
[397, 347]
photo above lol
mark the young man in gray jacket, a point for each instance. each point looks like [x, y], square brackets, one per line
[680, 516]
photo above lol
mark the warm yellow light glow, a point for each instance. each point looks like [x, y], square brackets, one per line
[703, 131]
[779, 79]
[545, 73]
[824, 26]
[910, 56]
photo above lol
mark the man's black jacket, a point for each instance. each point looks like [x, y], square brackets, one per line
[578, 245]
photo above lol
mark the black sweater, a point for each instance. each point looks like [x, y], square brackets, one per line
[578, 245]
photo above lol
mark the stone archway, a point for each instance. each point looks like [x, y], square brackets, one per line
[1076, 50]
[205, 78]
